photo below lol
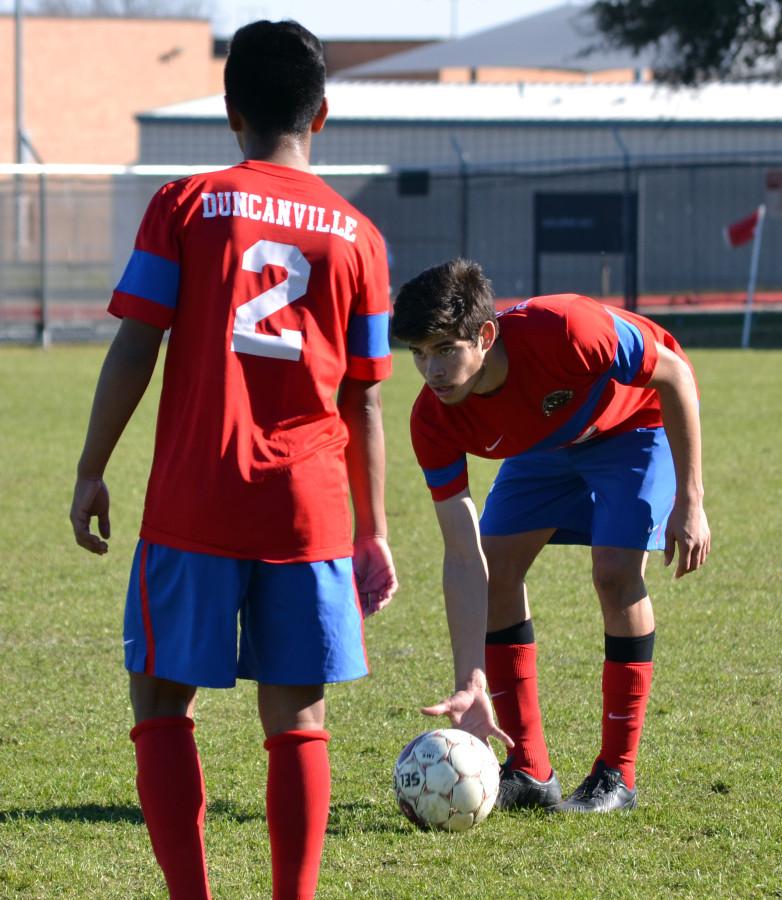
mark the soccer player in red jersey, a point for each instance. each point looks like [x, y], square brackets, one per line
[275, 291]
[595, 414]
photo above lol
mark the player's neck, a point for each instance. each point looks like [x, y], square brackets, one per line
[291, 150]
[495, 370]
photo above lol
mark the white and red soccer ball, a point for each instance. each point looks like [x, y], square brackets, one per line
[446, 779]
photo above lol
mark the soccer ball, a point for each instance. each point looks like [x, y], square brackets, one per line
[446, 779]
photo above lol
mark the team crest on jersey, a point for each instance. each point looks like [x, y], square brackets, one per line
[556, 400]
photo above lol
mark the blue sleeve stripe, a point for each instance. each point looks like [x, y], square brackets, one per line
[629, 351]
[368, 336]
[151, 277]
[436, 478]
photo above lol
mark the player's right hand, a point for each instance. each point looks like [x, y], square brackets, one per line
[471, 711]
[374, 571]
[91, 498]
[688, 530]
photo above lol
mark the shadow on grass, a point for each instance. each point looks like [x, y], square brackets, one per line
[94, 812]
[222, 809]
[86, 812]
[344, 818]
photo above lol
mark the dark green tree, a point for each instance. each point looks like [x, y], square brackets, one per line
[698, 40]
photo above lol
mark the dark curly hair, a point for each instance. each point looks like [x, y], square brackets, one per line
[454, 298]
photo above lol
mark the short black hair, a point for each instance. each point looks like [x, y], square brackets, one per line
[454, 299]
[275, 76]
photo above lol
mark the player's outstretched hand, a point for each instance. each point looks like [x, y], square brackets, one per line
[688, 529]
[375, 574]
[91, 498]
[471, 711]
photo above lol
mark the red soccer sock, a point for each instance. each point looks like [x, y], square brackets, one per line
[511, 671]
[173, 798]
[297, 810]
[626, 688]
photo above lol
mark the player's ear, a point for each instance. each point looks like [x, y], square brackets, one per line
[488, 335]
[235, 120]
[320, 117]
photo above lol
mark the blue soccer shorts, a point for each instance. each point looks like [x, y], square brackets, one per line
[611, 492]
[207, 620]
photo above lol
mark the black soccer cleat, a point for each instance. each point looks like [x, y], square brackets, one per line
[518, 790]
[600, 792]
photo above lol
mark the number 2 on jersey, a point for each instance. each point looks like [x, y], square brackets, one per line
[286, 345]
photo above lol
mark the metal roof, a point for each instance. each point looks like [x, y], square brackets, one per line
[559, 38]
[556, 103]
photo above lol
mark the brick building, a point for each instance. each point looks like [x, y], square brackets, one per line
[85, 79]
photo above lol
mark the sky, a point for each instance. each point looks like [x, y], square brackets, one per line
[365, 18]
[399, 18]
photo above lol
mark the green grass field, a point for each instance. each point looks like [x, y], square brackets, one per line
[709, 823]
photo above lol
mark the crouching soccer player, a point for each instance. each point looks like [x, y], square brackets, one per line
[595, 414]
[276, 293]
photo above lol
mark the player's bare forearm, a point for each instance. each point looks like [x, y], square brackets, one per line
[687, 525]
[361, 410]
[466, 591]
[123, 379]
[465, 588]
[675, 386]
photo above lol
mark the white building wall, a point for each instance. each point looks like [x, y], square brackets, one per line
[405, 144]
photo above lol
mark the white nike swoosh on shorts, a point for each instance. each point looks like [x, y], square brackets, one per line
[492, 446]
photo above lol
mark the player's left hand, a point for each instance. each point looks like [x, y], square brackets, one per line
[373, 567]
[688, 529]
[471, 711]
[91, 498]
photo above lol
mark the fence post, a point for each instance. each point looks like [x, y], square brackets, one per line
[753, 277]
[44, 336]
[628, 233]
[464, 211]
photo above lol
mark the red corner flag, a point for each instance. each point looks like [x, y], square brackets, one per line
[743, 231]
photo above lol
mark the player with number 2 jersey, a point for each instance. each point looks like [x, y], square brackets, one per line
[274, 290]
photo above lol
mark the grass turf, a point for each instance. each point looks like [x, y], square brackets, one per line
[709, 823]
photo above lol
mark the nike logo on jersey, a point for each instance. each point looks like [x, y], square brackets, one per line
[615, 716]
[491, 447]
[497, 694]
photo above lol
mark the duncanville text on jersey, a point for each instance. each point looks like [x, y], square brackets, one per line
[277, 211]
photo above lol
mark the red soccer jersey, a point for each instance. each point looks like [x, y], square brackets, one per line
[576, 371]
[274, 288]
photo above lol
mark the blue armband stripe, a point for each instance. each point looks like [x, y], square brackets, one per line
[436, 478]
[629, 351]
[368, 336]
[152, 277]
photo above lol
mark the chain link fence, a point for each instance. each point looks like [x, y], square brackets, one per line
[65, 235]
